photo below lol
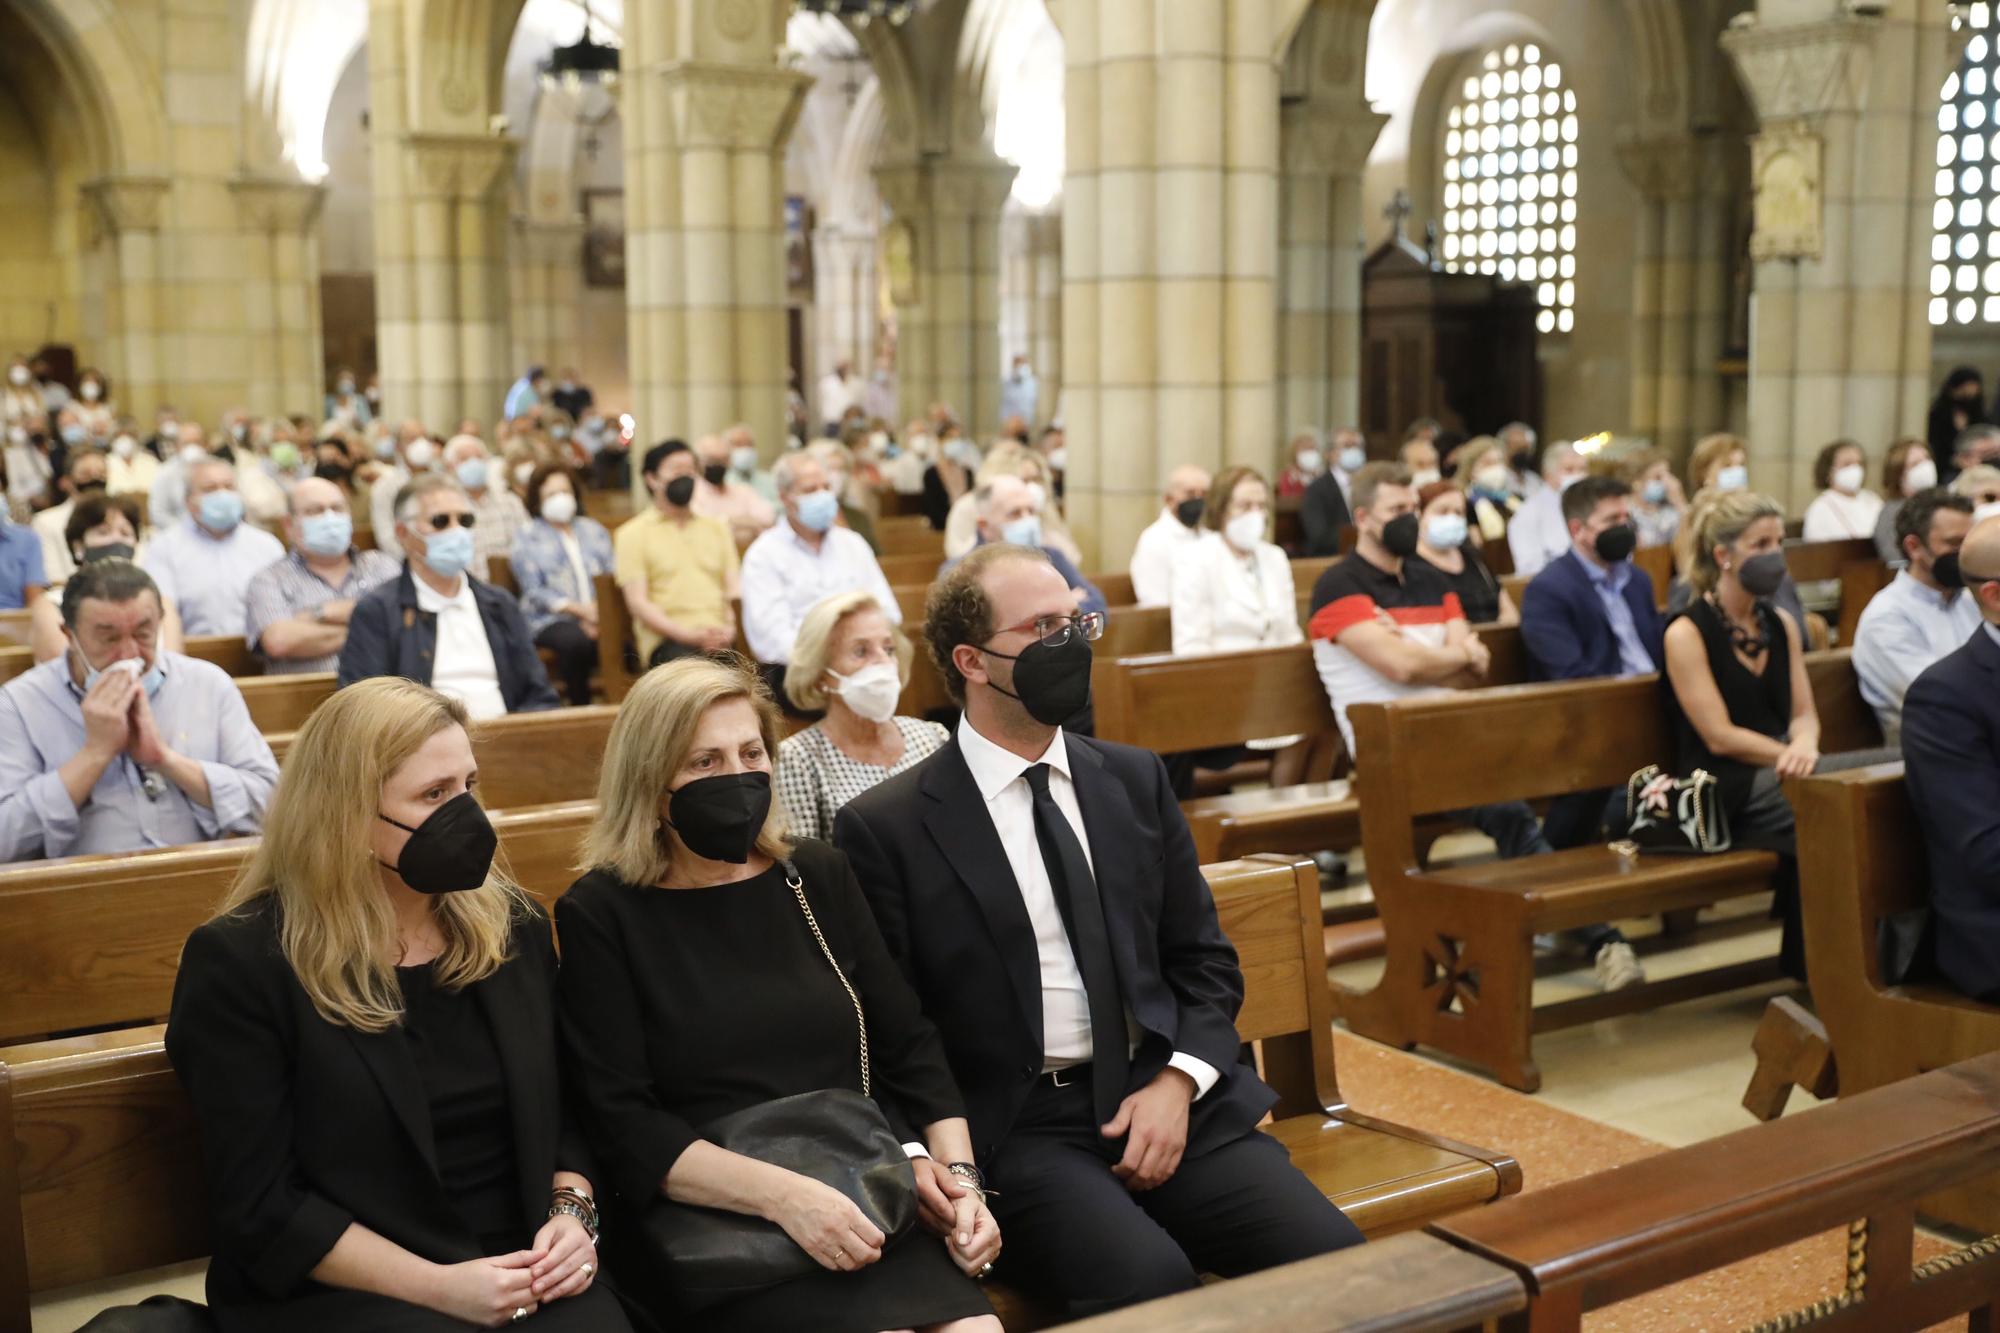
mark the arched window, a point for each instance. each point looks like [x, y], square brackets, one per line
[1510, 178]
[1965, 249]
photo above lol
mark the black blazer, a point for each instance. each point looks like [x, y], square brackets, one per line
[1951, 763]
[307, 1126]
[389, 635]
[1323, 513]
[922, 844]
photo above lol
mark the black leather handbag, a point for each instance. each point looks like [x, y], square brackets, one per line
[836, 1136]
[1664, 813]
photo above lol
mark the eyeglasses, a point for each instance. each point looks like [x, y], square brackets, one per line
[439, 522]
[1054, 631]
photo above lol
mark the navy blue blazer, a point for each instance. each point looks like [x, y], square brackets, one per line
[1951, 763]
[1566, 631]
[389, 635]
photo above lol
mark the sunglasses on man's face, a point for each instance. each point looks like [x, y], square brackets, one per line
[439, 522]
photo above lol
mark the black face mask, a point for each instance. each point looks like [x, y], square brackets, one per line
[1761, 575]
[108, 551]
[1616, 543]
[1399, 535]
[1053, 683]
[1189, 511]
[89, 487]
[449, 852]
[716, 473]
[1945, 572]
[332, 472]
[719, 818]
[680, 490]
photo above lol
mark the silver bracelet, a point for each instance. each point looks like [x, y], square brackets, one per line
[570, 1208]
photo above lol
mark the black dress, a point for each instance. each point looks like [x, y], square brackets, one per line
[679, 1006]
[452, 1044]
[1478, 591]
[1757, 702]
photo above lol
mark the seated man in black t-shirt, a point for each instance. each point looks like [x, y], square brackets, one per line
[1385, 626]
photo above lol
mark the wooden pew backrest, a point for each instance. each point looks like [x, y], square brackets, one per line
[283, 703]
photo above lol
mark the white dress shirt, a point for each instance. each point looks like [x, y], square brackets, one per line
[462, 665]
[1153, 558]
[783, 578]
[998, 773]
[1904, 628]
[1833, 517]
[1538, 532]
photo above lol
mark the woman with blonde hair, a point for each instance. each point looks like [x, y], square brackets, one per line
[1738, 694]
[851, 662]
[367, 1034]
[1488, 487]
[711, 968]
[1719, 462]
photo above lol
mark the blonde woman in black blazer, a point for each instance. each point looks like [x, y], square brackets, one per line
[367, 1034]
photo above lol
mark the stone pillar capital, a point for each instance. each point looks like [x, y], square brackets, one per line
[958, 185]
[457, 166]
[276, 203]
[744, 108]
[127, 203]
[1664, 167]
[1325, 139]
[1803, 71]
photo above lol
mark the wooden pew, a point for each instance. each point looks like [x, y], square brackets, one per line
[529, 758]
[919, 568]
[282, 703]
[1116, 587]
[107, 1177]
[1856, 565]
[1460, 967]
[92, 941]
[1409, 1283]
[1588, 1243]
[910, 535]
[1861, 860]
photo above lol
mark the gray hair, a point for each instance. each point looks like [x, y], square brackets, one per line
[1520, 428]
[1555, 453]
[1972, 437]
[410, 498]
[187, 482]
[784, 472]
[107, 581]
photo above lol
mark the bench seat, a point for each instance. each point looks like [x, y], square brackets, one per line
[1587, 885]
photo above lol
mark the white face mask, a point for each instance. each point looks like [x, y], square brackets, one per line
[871, 692]
[18, 375]
[1919, 476]
[1039, 494]
[90, 390]
[523, 471]
[1307, 461]
[124, 446]
[1246, 530]
[191, 454]
[1424, 476]
[1847, 480]
[1989, 510]
[420, 454]
[559, 508]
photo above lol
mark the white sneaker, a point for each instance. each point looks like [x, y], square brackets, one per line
[1618, 967]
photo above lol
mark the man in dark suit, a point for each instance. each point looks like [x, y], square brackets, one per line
[1042, 893]
[1324, 512]
[1951, 761]
[1590, 612]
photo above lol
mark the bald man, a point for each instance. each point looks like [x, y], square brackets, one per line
[1951, 762]
[500, 512]
[296, 610]
[1176, 527]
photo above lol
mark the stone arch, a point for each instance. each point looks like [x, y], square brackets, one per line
[467, 40]
[1662, 94]
[98, 70]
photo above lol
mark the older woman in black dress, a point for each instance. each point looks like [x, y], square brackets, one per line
[693, 988]
[367, 1033]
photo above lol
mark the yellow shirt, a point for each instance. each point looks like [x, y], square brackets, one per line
[687, 566]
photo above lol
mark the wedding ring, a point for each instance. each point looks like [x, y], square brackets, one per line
[520, 1313]
[985, 1270]
[588, 1269]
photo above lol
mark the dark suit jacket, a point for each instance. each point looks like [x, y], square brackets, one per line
[389, 635]
[307, 1126]
[1567, 632]
[926, 854]
[1323, 513]
[1951, 762]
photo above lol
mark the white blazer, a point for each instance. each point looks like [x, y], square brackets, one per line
[1224, 603]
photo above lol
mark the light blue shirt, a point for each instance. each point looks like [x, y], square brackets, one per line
[1019, 397]
[1904, 628]
[1633, 659]
[200, 714]
[20, 564]
[206, 577]
[520, 397]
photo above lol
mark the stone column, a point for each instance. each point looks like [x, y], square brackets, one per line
[545, 262]
[947, 214]
[457, 267]
[1323, 149]
[1044, 276]
[1840, 341]
[284, 368]
[127, 213]
[844, 301]
[1169, 251]
[704, 213]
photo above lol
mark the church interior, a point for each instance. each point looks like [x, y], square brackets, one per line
[1353, 247]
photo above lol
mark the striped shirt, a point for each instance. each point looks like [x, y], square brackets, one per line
[1350, 593]
[290, 588]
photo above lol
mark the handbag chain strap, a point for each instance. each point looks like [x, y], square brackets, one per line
[798, 888]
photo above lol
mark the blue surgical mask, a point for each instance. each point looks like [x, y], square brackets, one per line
[1733, 479]
[1023, 531]
[1655, 492]
[1445, 532]
[471, 474]
[220, 511]
[74, 433]
[743, 459]
[449, 552]
[330, 533]
[819, 509]
[150, 682]
[1353, 458]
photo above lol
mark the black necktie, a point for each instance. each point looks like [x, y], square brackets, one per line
[1083, 916]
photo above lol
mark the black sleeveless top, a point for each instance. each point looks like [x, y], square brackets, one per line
[471, 1124]
[1478, 591]
[1759, 703]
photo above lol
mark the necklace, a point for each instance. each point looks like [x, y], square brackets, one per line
[1749, 642]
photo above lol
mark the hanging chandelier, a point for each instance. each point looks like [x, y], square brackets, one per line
[584, 62]
[860, 12]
